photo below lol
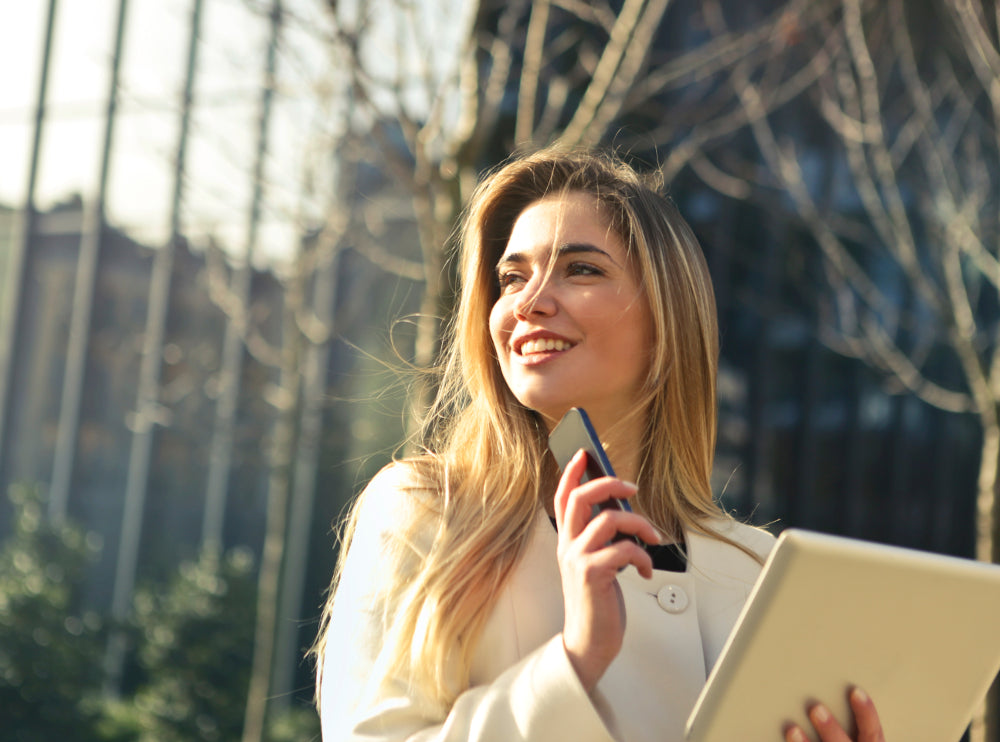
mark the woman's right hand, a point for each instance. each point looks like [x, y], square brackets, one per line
[589, 562]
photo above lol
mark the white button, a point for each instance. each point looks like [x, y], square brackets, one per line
[672, 599]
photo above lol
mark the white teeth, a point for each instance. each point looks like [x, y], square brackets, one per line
[542, 345]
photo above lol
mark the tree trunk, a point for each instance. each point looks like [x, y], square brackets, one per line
[436, 214]
[279, 485]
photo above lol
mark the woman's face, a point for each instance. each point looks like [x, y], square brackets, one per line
[572, 326]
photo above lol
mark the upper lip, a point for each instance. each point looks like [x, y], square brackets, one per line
[517, 341]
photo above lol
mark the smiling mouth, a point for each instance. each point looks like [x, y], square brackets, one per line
[543, 345]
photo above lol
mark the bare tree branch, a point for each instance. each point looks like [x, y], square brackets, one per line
[621, 55]
[601, 16]
[534, 46]
[735, 117]
[373, 250]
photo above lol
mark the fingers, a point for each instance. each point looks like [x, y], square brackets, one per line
[826, 726]
[574, 502]
[794, 734]
[613, 558]
[570, 478]
[595, 543]
[865, 716]
[584, 535]
[602, 527]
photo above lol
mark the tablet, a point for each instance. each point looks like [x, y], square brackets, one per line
[919, 632]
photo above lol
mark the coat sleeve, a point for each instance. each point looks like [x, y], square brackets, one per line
[538, 699]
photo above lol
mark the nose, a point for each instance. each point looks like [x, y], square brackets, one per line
[535, 300]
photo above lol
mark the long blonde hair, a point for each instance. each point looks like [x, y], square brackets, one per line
[487, 455]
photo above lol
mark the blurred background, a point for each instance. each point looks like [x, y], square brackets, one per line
[226, 230]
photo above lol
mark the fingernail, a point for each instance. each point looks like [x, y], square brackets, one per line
[819, 714]
[859, 695]
[797, 735]
[631, 485]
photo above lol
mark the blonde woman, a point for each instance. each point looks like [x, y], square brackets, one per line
[476, 598]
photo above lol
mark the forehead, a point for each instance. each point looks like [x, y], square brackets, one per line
[575, 217]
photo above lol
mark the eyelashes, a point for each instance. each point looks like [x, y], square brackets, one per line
[584, 269]
[510, 278]
[507, 278]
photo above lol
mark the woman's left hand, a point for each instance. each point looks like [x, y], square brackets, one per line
[865, 717]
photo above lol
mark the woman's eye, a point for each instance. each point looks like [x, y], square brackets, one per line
[583, 269]
[508, 279]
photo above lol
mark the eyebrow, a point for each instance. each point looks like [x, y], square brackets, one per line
[572, 248]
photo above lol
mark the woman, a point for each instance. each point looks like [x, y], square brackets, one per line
[476, 598]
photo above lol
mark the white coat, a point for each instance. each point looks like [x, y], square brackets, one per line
[523, 688]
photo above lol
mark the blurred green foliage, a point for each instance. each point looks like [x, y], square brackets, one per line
[50, 652]
[191, 639]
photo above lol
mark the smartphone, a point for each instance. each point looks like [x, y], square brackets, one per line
[575, 432]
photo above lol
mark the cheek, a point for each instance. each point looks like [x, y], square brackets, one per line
[632, 332]
[499, 328]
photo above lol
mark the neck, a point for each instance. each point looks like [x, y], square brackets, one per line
[623, 444]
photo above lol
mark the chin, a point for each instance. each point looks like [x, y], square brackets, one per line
[548, 413]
